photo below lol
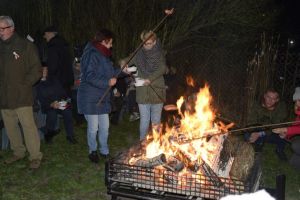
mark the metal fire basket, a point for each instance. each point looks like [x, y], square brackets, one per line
[138, 182]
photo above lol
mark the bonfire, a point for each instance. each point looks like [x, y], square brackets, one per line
[197, 142]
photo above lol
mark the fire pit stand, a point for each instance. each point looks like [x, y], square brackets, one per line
[148, 183]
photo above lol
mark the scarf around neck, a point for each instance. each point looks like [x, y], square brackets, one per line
[102, 49]
[148, 60]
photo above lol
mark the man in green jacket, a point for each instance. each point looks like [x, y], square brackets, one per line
[19, 70]
[270, 110]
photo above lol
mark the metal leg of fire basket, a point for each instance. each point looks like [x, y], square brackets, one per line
[279, 191]
[113, 197]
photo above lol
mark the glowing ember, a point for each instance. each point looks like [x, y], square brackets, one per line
[190, 81]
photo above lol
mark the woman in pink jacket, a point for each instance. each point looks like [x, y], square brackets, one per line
[292, 133]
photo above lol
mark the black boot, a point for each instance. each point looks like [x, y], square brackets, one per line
[94, 157]
[49, 136]
[281, 155]
[258, 147]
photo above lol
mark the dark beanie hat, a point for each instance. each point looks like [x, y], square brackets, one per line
[50, 29]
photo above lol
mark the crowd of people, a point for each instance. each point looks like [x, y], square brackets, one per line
[92, 89]
[51, 87]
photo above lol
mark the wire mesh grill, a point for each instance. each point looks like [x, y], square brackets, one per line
[159, 180]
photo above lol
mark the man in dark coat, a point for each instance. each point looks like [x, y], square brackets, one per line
[58, 59]
[20, 69]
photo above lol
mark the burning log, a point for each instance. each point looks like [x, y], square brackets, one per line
[207, 170]
[194, 166]
[174, 165]
[135, 151]
[188, 163]
[152, 162]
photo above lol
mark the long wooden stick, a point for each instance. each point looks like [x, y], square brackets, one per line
[264, 126]
[248, 128]
[170, 12]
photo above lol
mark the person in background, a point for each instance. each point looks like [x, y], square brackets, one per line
[292, 133]
[54, 100]
[128, 92]
[174, 89]
[97, 76]
[151, 89]
[131, 101]
[39, 117]
[79, 118]
[58, 59]
[119, 92]
[270, 110]
[19, 71]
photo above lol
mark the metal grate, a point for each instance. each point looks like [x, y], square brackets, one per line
[158, 183]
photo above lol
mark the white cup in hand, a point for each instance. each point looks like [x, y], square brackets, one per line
[131, 69]
[62, 105]
[139, 82]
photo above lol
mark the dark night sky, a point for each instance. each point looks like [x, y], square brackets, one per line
[292, 19]
[290, 24]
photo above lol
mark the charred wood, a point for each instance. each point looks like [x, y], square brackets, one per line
[188, 163]
[174, 165]
[152, 162]
[207, 170]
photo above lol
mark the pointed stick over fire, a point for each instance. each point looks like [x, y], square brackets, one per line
[169, 11]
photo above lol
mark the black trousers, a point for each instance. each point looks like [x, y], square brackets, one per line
[51, 120]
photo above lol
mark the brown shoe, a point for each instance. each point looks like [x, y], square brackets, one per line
[13, 159]
[35, 164]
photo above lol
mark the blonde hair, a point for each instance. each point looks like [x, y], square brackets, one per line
[150, 35]
[123, 61]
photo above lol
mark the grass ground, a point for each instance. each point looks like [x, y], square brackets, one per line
[67, 174]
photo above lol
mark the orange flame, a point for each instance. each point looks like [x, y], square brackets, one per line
[195, 123]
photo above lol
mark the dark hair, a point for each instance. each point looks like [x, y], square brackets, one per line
[51, 28]
[272, 90]
[103, 34]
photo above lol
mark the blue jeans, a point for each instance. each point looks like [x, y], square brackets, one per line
[97, 124]
[149, 112]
